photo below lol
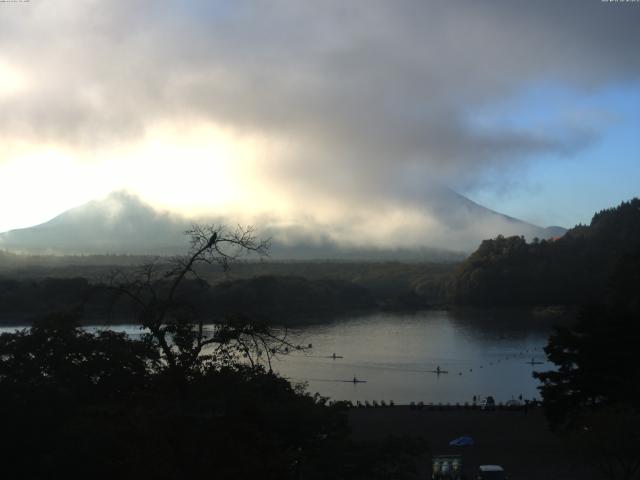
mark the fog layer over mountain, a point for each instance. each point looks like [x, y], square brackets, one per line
[447, 225]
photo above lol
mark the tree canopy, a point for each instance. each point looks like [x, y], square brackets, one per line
[593, 395]
[571, 270]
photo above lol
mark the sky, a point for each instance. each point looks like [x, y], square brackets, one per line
[338, 114]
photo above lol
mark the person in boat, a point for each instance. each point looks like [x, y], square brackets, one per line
[438, 369]
[334, 355]
[355, 380]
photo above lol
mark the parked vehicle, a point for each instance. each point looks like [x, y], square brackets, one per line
[446, 467]
[488, 403]
[491, 472]
[513, 403]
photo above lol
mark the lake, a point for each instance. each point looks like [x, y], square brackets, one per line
[483, 353]
[398, 355]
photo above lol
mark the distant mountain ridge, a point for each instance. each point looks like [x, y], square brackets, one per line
[122, 223]
[462, 213]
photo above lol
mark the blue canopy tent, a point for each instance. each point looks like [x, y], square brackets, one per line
[462, 441]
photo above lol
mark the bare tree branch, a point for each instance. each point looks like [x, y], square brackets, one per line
[154, 291]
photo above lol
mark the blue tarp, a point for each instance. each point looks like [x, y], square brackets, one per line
[462, 441]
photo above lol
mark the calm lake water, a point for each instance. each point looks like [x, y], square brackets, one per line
[396, 354]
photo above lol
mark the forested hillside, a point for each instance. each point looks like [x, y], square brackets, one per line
[571, 270]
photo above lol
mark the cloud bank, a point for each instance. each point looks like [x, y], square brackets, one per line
[357, 106]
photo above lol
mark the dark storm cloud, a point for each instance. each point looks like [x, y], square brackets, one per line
[373, 92]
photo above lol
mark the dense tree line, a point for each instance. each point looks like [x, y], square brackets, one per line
[508, 271]
[280, 299]
[22, 300]
[283, 299]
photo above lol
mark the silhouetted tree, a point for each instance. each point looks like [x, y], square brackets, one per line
[56, 380]
[596, 364]
[166, 302]
[594, 393]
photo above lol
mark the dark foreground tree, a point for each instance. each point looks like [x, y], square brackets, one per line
[597, 358]
[83, 405]
[597, 365]
[101, 405]
[593, 396]
[57, 381]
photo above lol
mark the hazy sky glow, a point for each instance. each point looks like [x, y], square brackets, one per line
[322, 111]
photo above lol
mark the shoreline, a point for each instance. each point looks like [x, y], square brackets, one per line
[529, 315]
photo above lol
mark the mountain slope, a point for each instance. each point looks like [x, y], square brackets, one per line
[473, 222]
[120, 223]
